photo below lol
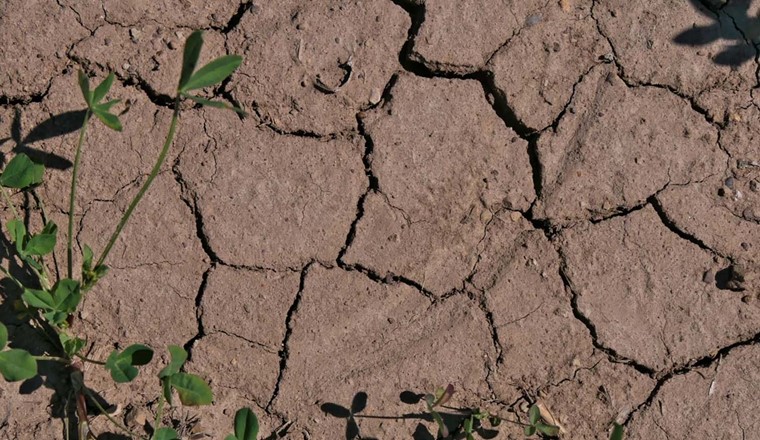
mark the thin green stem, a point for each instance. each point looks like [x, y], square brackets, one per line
[86, 359]
[159, 413]
[73, 195]
[52, 358]
[9, 202]
[108, 416]
[146, 185]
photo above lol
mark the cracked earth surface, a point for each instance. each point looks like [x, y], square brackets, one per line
[552, 200]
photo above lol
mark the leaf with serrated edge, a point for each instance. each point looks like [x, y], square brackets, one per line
[213, 73]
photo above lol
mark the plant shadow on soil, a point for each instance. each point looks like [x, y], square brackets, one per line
[452, 420]
[23, 334]
[728, 18]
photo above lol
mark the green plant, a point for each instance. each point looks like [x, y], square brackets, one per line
[537, 424]
[50, 304]
[441, 396]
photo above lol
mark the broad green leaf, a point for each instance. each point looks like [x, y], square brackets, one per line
[246, 424]
[549, 430]
[106, 106]
[617, 432]
[190, 57]
[3, 335]
[110, 120]
[44, 242]
[16, 364]
[179, 356]
[166, 387]
[87, 256]
[192, 390]
[84, 85]
[122, 364]
[71, 345]
[102, 89]
[213, 73]
[21, 172]
[39, 299]
[17, 232]
[165, 434]
[66, 295]
[215, 104]
[534, 414]
[468, 425]
[529, 430]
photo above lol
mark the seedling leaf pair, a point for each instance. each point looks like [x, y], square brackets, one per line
[192, 390]
[442, 395]
[211, 74]
[246, 425]
[21, 172]
[93, 98]
[122, 365]
[536, 424]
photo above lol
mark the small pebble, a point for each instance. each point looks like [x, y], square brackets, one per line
[753, 185]
[729, 182]
[533, 19]
[751, 214]
[709, 276]
[134, 34]
[746, 246]
[515, 216]
[375, 96]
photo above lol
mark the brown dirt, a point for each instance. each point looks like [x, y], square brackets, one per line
[554, 201]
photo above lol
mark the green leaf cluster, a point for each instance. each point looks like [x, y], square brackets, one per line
[93, 99]
[36, 245]
[191, 389]
[56, 304]
[123, 364]
[537, 424]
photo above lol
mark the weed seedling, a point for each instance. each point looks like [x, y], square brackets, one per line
[50, 304]
[536, 424]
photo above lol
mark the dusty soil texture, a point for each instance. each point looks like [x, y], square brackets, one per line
[552, 201]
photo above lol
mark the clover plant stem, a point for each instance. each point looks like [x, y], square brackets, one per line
[53, 358]
[73, 194]
[108, 416]
[146, 185]
[86, 359]
[9, 202]
[159, 413]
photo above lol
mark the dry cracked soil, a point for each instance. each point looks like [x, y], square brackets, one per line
[533, 200]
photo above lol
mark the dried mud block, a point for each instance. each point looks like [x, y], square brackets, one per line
[353, 335]
[444, 161]
[462, 36]
[727, 224]
[684, 46]
[616, 146]
[271, 200]
[148, 53]
[288, 45]
[156, 268]
[542, 342]
[230, 362]
[717, 402]
[251, 305]
[594, 398]
[36, 36]
[643, 289]
[196, 14]
[538, 68]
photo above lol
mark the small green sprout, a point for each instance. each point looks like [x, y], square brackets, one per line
[537, 424]
[441, 396]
